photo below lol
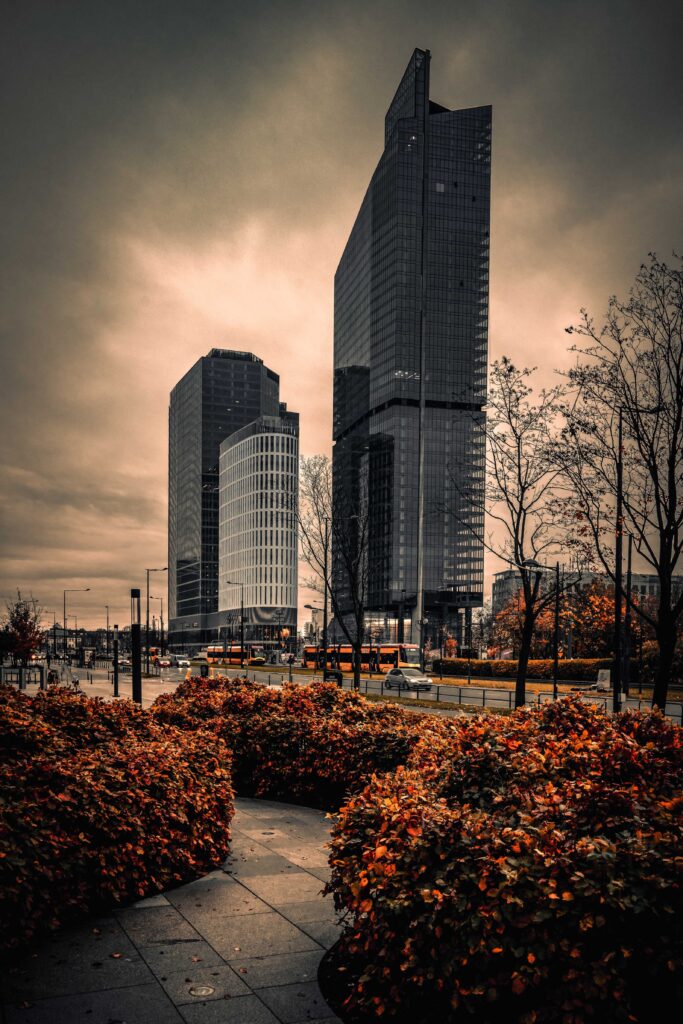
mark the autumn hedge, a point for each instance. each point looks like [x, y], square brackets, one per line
[100, 804]
[304, 744]
[525, 869]
[574, 669]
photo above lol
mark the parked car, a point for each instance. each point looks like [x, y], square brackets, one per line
[407, 679]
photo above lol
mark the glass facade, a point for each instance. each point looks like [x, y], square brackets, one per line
[223, 392]
[259, 489]
[410, 360]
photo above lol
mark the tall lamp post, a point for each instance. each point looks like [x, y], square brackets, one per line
[71, 590]
[556, 640]
[135, 653]
[618, 554]
[325, 589]
[148, 571]
[235, 583]
[626, 674]
[107, 643]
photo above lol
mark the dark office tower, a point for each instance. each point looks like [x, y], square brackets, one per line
[410, 361]
[222, 392]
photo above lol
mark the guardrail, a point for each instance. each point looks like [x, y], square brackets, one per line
[468, 696]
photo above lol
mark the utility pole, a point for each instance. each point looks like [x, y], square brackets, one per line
[135, 646]
[626, 674]
[107, 645]
[325, 588]
[116, 660]
[556, 647]
[616, 683]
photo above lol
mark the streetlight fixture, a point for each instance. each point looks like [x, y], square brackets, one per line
[235, 583]
[148, 571]
[71, 590]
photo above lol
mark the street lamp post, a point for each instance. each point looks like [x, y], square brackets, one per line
[618, 554]
[556, 643]
[115, 666]
[148, 571]
[234, 583]
[71, 590]
[135, 653]
[626, 674]
[107, 643]
[325, 588]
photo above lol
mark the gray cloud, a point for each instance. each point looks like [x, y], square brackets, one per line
[180, 175]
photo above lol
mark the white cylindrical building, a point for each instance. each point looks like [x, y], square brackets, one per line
[257, 529]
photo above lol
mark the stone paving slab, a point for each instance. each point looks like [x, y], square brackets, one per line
[291, 1003]
[139, 1004]
[257, 935]
[280, 969]
[253, 933]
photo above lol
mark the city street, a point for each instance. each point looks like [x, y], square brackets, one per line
[455, 692]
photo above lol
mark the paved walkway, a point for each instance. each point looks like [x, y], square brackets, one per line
[240, 946]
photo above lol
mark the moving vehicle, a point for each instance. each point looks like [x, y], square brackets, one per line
[183, 662]
[407, 679]
[374, 657]
[231, 654]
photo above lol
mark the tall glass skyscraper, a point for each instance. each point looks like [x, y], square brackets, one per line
[410, 363]
[223, 392]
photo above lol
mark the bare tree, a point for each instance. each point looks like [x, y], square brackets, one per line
[522, 494]
[333, 529]
[630, 370]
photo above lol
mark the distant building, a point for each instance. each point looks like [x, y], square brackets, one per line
[410, 365]
[507, 584]
[223, 392]
[259, 487]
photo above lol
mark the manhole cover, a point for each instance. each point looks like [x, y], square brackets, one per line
[202, 990]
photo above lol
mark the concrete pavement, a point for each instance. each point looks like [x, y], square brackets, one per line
[239, 946]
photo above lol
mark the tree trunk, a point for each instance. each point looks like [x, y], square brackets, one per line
[523, 660]
[666, 638]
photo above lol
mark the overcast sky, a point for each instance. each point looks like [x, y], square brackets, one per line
[183, 175]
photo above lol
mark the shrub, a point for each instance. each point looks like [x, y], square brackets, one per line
[575, 669]
[100, 804]
[311, 744]
[523, 868]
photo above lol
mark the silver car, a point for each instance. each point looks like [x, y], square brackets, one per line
[407, 679]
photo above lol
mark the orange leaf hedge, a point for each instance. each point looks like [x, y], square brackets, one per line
[522, 869]
[100, 804]
[574, 669]
[304, 744]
